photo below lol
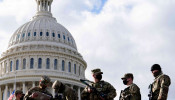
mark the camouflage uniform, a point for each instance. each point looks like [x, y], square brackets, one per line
[101, 86]
[67, 92]
[132, 92]
[44, 80]
[160, 87]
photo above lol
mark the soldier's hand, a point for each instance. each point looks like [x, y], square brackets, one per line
[89, 90]
[34, 95]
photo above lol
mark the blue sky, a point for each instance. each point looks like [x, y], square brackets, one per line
[96, 9]
[119, 36]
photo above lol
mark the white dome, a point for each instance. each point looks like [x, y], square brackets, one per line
[43, 29]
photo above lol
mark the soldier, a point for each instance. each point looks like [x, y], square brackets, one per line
[19, 95]
[67, 92]
[100, 86]
[132, 92]
[161, 83]
[39, 92]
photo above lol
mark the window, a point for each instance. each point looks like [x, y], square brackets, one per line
[29, 34]
[34, 34]
[58, 35]
[23, 35]
[63, 65]
[11, 64]
[64, 37]
[75, 69]
[24, 63]
[68, 38]
[17, 64]
[53, 34]
[55, 64]
[39, 63]
[47, 33]
[18, 36]
[31, 63]
[69, 67]
[47, 63]
[41, 33]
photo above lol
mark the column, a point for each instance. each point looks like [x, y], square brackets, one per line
[40, 5]
[8, 65]
[5, 93]
[0, 93]
[50, 6]
[14, 86]
[27, 63]
[37, 5]
[33, 84]
[20, 63]
[59, 64]
[72, 86]
[66, 65]
[79, 94]
[47, 5]
[53, 92]
[23, 87]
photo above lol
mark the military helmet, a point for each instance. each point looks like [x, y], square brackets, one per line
[57, 84]
[45, 80]
[128, 75]
[18, 92]
[155, 67]
[96, 71]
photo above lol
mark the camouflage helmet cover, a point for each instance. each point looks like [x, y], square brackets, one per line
[45, 80]
[96, 71]
[128, 75]
[18, 92]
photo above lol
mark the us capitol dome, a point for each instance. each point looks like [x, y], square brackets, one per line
[40, 47]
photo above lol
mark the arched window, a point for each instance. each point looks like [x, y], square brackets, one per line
[69, 67]
[41, 33]
[47, 33]
[34, 34]
[75, 69]
[17, 64]
[68, 38]
[55, 64]
[24, 63]
[64, 37]
[58, 35]
[23, 35]
[29, 34]
[53, 34]
[63, 65]
[47, 63]
[11, 65]
[39, 63]
[31, 63]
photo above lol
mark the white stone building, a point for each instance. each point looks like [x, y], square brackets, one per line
[40, 47]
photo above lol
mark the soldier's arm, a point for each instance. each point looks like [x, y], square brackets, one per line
[85, 94]
[27, 95]
[164, 83]
[112, 92]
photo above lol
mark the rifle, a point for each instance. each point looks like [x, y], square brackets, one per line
[150, 95]
[121, 95]
[101, 94]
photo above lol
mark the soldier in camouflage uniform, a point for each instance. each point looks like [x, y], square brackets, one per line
[161, 83]
[132, 92]
[67, 92]
[101, 86]
[44, 82]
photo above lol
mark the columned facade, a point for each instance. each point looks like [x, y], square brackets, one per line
[41, 47]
